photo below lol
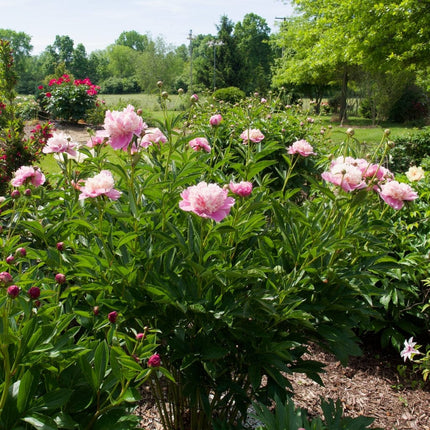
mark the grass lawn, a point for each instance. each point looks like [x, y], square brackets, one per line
[364, 131]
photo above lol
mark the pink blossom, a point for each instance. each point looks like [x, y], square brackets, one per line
[395, 193]
[60, 278]
[200, 143]
[215, 120]
[253, 134]
[154, 361]
[27, 174]
[152, 135]
[242, 188]
[101, 184]
[122, 126]
[207, 201]
[345, 175]
[60, 142]
[194, 98]
[301, 147]
[409, 349]
[100, 138]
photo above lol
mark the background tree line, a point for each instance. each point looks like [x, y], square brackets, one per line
[373, 51]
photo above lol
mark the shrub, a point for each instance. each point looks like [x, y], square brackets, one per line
[67, 99]
[229, 94]
[120, 86]
[410, 150]
[410, 107]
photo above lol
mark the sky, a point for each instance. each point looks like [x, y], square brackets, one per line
[98, 23]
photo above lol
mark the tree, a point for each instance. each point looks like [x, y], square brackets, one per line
[79, 66]
[253, 35]
[134, 40]
[347, 34]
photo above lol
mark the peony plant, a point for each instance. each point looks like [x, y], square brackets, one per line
[201, 274]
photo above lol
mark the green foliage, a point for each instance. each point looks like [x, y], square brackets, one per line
[286, 417]
[410, 150]
[229, 94]
[120, 86]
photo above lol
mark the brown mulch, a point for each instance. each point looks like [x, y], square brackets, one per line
[368, 385]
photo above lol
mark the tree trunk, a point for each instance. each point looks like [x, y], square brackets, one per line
[343, 95]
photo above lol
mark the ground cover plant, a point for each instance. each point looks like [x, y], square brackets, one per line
[200, 260]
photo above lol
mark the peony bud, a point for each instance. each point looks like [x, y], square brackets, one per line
[5, 278]
[140, 336]
[154, 361]
[159, 84]
[13, 291]
[350, 132]
[22, 252]
[215, 120]
[15, 194]
[112, 317]
[34, 293]
[60, 246]
[60, 278]
[194, 98]
[96, 310]
[10, 259]
[27, 192]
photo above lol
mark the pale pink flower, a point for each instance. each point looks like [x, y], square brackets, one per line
[215, 120]
[122, 126]
[207, 201]
[26, 174]
[101, 137]
[409, 349]
[242, 188]
[346, 176]
[395, 193]
[200, 143]
[415, 173]
[101, 184]
[60, 142]
[152, 135]
[253, 135]
[302, 147]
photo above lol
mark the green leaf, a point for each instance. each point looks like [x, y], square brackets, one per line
[101, 358]
[40, 422]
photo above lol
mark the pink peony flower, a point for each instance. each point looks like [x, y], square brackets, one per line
[409, 349]
[60, 142]
[100, 138]
[27, 174]
[345, 175]
[242, 188]
[395, 194]
[207, 201]
[200, 143]
[154, 361]
[301, 147]
[122, 125]
[253, 135]
[215, 120]
[101, 184]
[152, 135]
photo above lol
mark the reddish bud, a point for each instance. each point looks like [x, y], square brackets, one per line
[5, 278]
[60, 246]
[34, 293]
[154, 361]
[27, 192]
[140, 336]
[13, 291]
[96, 310]
[15, 194]
[60, 278]
[112, 317]
[22, 252]
[10, 259]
